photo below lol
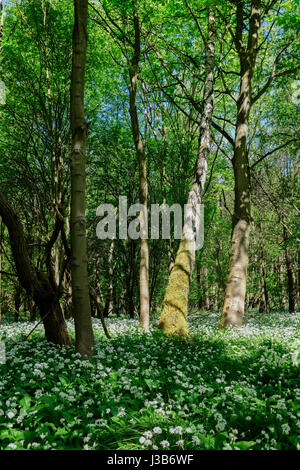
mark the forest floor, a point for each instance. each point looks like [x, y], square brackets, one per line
[234, 389]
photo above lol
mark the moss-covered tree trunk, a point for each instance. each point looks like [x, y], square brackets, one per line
[79, 128]
[175, 305]
[234, 302]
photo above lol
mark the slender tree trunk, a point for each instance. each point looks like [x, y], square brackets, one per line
[109, 299]
[115, 301]
[206, 286]
[234, 302]
[175, 305]
[17, 301]
[31, 309]
[130, 279]
[265, 300]
[289, 272]
[199, 283]
[220, 280]
[99, 297]
[281, 263]
[143, 184]
[79, 128]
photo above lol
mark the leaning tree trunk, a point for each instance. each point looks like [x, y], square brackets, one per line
[79, 128]
[173, 319]
[35, 283]
[143, 183]
[234, 302]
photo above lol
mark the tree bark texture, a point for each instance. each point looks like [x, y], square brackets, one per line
[79, 128]
[234, 302]
[143, 183]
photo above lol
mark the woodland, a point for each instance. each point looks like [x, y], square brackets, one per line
[149, 342]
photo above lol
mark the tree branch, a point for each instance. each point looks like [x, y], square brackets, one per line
[274, 67]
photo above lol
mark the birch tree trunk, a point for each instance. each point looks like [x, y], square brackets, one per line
[79, 128]
[173, 319]
[234, 302]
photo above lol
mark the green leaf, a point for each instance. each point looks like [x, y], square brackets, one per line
[63, 380]
[245, 445]
[25, 403]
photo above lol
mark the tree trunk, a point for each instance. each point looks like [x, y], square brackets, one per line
[17, 301]
[206, 286]
[265, 300]
[199, 281]
[234, 302]
[79, 128]
[115, 301]
[31, 309]
[109, 299]
[289, 272]
[143, 184]
[282, 282]
[130, 280]
[99, 296]
[175, 305]
[68, 308]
